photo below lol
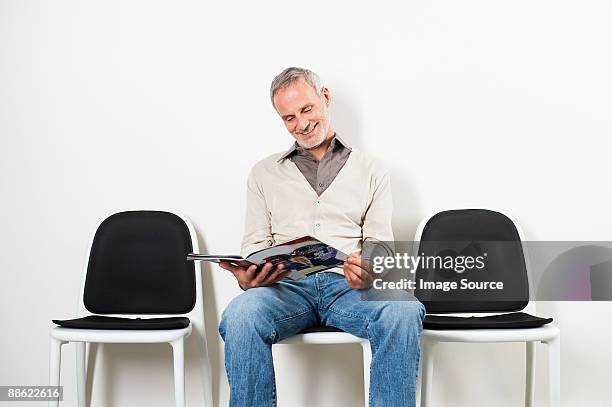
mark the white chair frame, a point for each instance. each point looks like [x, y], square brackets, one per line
[548, 334]
[175, 337]
[332, 338]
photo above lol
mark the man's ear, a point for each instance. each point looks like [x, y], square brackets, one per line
[326, 96]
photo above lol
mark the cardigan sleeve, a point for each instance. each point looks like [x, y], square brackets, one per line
[377, 230]
[257, 227]
[377, 218]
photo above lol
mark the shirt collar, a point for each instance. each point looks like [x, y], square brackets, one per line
[336, 142]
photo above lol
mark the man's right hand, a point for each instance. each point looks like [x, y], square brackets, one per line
[250, 278]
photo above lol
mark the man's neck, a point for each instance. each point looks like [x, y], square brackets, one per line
[319, 151]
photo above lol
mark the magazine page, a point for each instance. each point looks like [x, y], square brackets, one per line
[305, 255]
[235, 260]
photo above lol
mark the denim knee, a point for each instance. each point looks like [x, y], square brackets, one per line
[406, 316]
[244, 317]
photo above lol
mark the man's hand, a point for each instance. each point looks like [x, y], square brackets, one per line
[356, 272]
[250, 278]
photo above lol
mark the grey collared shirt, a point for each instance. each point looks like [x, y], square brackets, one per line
[320, 174]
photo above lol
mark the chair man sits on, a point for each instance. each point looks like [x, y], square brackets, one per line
[324, 188]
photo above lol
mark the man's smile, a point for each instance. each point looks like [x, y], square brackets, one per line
[311, 130]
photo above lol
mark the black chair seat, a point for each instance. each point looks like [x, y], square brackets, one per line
[101, 322]
[502, 321]
[321, 329]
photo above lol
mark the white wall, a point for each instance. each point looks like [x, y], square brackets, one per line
[151, 104]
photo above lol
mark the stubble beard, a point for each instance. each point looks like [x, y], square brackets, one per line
[314, 143]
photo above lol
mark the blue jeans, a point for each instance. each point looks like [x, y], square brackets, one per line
[261, 316]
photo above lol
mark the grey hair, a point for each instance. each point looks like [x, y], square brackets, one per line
[291, 75]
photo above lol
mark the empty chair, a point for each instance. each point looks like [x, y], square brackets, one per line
[138, 287]
[485, 314]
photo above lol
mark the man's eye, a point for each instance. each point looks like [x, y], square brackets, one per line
[288, 119]
[308, 109]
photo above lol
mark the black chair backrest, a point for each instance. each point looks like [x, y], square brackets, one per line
[474, 232]
[137, 265]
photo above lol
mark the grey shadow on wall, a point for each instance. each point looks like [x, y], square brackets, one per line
[406, 208]
[347, 120]
[211, 323]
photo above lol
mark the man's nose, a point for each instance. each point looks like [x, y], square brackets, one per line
[303, 124]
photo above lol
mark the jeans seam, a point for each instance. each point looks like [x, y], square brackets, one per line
[372, 351]
[272, 339]
[293, 315]
[318, 288]
[348, 314]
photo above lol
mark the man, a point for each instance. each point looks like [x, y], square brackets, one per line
[323, 188]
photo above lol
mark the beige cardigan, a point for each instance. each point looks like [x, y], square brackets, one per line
[281, 205]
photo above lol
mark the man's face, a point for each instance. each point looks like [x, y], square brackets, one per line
[304, 112]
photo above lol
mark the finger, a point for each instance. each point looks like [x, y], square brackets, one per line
[346, 269]
[357, 271]
[349, 275]
[280, 267]
[249, 273]
[363, 263]
[273, 275]
[360, 277]
[263, 273]
[359, 262]
[350, 279]
[353, 256]
[356, 261]
[356, 282]
[353, 259]
[276, 276]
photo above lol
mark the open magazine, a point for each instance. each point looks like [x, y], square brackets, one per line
[304, 255]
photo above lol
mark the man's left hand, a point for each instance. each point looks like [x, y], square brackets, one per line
[356, 272]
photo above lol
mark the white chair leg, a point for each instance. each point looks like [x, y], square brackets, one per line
[367, 362]
[81, 371]
[55, 361]
[207, 379]
[428, 355]
[530, 372]
[554, 371]
[204, 362]
[178, 352]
